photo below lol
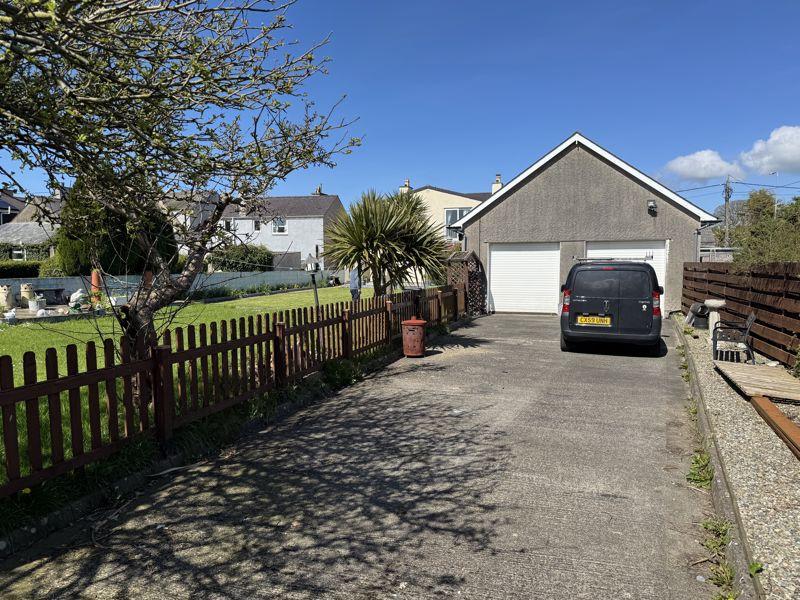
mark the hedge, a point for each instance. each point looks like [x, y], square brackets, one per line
[19, 268]
[34, 251]
[242, 258]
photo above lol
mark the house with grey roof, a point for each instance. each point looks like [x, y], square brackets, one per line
[29, 236]
[292, 227]
[10, 206]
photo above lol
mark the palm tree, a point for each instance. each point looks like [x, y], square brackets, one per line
[388, 236]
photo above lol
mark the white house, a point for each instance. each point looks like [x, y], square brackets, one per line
[292, 227]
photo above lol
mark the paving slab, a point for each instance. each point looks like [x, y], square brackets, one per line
[495, 467]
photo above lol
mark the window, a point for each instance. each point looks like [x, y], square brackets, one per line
[279, 225]
[228, 224]
[603, 284]
[635, 284]
[18, 254]
[256, 225]
[451, 215]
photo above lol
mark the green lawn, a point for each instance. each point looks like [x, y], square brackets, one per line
[15, 340]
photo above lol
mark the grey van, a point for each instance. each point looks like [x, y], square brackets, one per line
[611, 301]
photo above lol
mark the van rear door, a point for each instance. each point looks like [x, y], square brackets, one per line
[635, 301]
[595, 300]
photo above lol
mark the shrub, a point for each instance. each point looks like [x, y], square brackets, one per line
[243, 257]
[178, 263]
[19, 268]
[51, 267]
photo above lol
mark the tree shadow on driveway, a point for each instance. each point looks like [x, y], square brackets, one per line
[356, 496]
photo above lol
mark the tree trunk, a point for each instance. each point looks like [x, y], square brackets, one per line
[140, 332]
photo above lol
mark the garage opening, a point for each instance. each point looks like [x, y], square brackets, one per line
[524, 277]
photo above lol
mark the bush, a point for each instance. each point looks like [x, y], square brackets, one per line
[19, 268]
[242, 258]
[178, 263]
[51, 267]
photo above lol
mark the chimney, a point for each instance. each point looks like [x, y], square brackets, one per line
[498, 183]
[318, 191]
[406, 187]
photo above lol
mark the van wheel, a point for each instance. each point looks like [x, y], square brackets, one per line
[566, 346]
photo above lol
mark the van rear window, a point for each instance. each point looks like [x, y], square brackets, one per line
[596, 283]
[619, 283]
[635, 284]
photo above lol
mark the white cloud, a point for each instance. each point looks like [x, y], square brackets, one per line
[702, 166]
[781, 152]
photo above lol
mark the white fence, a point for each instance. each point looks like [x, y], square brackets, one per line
[123, 285]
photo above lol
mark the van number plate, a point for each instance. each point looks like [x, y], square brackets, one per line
[593, 320]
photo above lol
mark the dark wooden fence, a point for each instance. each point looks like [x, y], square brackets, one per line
[73, 418]
[772, 292]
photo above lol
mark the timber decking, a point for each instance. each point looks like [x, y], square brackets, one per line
[761, 380]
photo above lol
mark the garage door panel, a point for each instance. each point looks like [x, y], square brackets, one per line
[655, 251]
[524, 277]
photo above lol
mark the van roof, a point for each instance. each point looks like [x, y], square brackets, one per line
[600, 263]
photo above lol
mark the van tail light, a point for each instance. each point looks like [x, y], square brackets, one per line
[565, 301]
[656, 304]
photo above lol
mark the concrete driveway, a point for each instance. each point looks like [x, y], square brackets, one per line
[497, 467]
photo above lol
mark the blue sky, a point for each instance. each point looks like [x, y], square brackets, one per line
[450, 92]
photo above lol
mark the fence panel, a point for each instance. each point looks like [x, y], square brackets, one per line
[771, 292]
[65, 422]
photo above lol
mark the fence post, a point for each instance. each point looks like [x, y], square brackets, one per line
[439, 307]
[389, 322]
[163, 396]
[280, 354]
[347, 339]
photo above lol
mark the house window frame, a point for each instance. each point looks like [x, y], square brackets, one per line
[279, 223]
[460, 213]
[256, 225]
[229, 225]
[23, 251]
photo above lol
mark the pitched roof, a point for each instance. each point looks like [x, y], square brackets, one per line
[31, 212]
[288, 206]
[10, 201]
[26, 233]
[479, 196]
[578, 139]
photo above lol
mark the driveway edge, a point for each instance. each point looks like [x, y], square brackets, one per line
[724, 502]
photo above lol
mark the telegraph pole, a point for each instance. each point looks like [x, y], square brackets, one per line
[727, 194]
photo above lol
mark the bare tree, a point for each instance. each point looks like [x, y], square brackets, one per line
[148, 99]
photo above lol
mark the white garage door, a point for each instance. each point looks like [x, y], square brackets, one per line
[524, 277]
[654, 251]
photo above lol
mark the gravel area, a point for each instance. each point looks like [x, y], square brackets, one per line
[763, 473]
[791, 410]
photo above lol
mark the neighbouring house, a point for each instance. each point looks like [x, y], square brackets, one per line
[30, 235]
[578, 201]
[10, 206]
[292, 227]
[185, 210]
[445, 207]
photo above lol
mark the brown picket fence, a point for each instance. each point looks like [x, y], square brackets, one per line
[73, 418]
[770, 291]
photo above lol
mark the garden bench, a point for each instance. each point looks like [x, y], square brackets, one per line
[730, 339]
